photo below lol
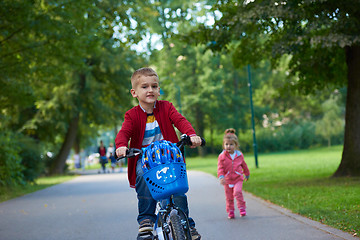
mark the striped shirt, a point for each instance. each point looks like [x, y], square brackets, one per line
[152, 131]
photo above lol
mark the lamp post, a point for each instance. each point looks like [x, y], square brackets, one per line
[252, 117]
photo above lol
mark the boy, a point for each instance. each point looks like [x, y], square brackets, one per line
[150, 121]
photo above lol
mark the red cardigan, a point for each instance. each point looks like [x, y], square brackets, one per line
[133, 129]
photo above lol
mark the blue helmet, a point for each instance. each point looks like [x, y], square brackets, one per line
[160, 152]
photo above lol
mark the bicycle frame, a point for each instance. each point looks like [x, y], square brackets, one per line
[171, 220]
[162, 225]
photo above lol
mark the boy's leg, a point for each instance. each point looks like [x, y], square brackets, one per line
[146, 203]
[146, 206]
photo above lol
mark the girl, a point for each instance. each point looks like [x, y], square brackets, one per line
[231, 171]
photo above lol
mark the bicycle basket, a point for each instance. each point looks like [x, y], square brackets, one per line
[167, 179]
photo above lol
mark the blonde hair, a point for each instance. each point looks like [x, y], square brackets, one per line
[146, 71]
[231, 136]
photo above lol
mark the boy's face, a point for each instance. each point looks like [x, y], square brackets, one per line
[146, 90]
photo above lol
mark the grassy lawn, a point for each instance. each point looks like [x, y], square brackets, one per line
[301, 181]
[40, 183]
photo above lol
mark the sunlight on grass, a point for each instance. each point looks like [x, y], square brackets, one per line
[301, 181]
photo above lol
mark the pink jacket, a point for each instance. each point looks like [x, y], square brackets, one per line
[232, 170]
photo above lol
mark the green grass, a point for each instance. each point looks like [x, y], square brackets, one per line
[301, 181]
[40, 183]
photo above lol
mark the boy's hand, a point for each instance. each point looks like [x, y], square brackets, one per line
[121, 151]
[195, 141]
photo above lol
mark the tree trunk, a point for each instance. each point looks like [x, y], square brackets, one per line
[77, 141]
[58, 165]
[350, 162]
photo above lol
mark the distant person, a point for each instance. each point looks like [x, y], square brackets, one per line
[103, 159]
[77, 160]
[232, 171]
[150, 121]
[83, 158]
[110, 155]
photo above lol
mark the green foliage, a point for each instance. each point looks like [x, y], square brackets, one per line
[332, 123]
[10, 160]
[286, 137]
[218, 95]
[20, 161]
[61, 60]
[321, 38]
[33, 162]
[287, 119]
[210, 92]
[313, 33]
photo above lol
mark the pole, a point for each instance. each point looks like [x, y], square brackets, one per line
[252, 117]
[179, 98]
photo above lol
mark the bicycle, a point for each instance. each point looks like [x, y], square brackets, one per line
[164, 181]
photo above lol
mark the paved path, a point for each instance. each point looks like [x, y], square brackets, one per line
[102, 206]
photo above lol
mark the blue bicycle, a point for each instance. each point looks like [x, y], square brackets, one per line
[165, 175]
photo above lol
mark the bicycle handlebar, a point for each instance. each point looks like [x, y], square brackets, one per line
[130, 153]
[184, 140]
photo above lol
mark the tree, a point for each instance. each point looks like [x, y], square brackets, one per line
[322, 38]
[332, 122]
[65, 68]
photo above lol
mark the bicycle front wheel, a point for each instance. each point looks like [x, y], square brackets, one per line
[177, 230]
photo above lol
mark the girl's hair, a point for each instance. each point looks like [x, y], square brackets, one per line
[231, 136]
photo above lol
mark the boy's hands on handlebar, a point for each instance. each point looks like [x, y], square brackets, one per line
[121, 151]
[195, 141]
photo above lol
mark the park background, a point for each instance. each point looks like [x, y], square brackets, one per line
[66, 68]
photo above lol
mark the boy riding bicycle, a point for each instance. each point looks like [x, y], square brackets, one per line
[150, 121]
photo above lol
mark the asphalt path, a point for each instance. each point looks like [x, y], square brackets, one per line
[102, 206]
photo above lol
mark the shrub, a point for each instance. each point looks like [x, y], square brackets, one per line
[287, 137]
[30, 153]
[10, 160]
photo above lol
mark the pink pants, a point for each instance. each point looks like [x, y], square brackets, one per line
[234, 192]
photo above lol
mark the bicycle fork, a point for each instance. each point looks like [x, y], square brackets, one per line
[163, 228]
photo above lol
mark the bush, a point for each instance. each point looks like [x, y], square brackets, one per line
[246, 141]
[20, 161]
[287, 137]
[10, 160]
[294, 135]
[30, 153]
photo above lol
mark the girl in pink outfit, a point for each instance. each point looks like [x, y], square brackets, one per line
[232, 171]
